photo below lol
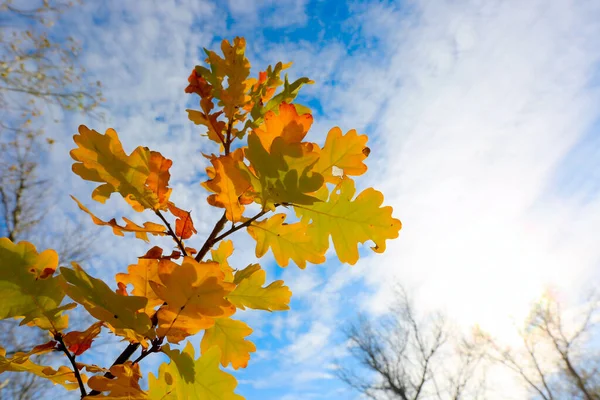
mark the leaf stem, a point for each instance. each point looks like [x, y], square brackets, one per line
[59, 339]
[172, 233]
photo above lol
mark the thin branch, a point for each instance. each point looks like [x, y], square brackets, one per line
[214, 239]
[172, 233]
[59, 339]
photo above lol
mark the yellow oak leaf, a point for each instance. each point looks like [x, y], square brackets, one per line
[228, 183]
[215, 127]
[185, 377]
[139, 275]
[350, 222]
[220, 255]
[78, 342]
[194, 294]
[285, 175]
[20, 362]
[250, 293]
[287, 241]
[101, 158]
[346, 152]
[228, 334]
[286, 124]
[236, 68]
[103, 303]
[141, 232]
[124, 385]
[28, 288]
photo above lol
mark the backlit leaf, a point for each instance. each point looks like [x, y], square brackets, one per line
[287, 241]
[285, 175]
[286, 124]
[78, 342]
[350, 221]
[229, 335]
[194, 293]
[220, 255]
[141, 232]
[124, 385]
[184, 225]
[251, 293]
[346, 152]
[103, 303]
[101, 158]
[139, 275]
[20, 362]
[28, 288]
[192, 379]
[228, 183]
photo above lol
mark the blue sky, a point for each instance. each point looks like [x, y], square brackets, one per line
[484, 129]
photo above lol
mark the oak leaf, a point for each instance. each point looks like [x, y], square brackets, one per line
[287, 124]
[141, 232]
[103, 303]
[124, 385]
[229, 183]
[346, 152]
[28, 288]
[350, 222]
[192, 379]
[20, 362]
[250, 292]
[139, 275]
[194, 294]
[184, 225]
[229, 335]
[287, 241]
[101, 158]
[285, 175]
[78, 342]
[220, 255]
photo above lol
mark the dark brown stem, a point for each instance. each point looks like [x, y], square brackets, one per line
[172, 233]
[210, 240]
[59, 339]
[155, 348]
[227, 144]
[214, 239]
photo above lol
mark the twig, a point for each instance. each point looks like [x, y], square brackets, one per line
[172, 233]
[155, 348]
[214, 239]
[59, 339]
[210, 240]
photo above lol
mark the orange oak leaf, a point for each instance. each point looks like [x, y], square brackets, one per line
[345, 152]
[287, 241]
[141, 232]
[124, 385]
[139, 275]
[286, 124]
[229, 184]
[194, 293]
[78, 342]
[158, 179]
[184, 225]
[101, 158]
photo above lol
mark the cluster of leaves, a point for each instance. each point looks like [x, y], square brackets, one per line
[263, 164]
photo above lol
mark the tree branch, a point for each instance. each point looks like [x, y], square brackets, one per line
[172, 233]
[59, 339]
